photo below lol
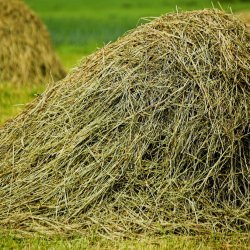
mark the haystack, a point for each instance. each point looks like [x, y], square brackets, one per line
[26, 54]
[149, 134]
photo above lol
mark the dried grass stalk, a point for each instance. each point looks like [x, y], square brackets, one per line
[26, 54]
[149, 134]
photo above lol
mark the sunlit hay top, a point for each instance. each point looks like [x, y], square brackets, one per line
[245, 17]
[149, 134]
[26, 54]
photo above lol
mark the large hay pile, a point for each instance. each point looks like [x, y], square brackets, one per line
[148, 134]
[26, 54]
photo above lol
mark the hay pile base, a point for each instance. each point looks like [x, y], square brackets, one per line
[149, 134]
[26, 54]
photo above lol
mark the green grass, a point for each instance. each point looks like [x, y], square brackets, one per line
[170, 242]
[88, 24]
[13, 98]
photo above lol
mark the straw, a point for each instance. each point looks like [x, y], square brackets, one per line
[150, 134]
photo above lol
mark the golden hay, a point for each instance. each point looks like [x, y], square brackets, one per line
[150, 134]
[26, 54]
[245, 17]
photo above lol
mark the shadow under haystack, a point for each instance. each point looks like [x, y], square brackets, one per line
[26, 54]
[148, 135]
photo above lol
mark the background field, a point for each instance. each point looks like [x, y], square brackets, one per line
[77, 28]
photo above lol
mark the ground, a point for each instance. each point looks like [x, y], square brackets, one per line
[78, 27]
[170, 242]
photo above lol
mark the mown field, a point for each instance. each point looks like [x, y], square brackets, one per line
[79, 27]
[94, 242]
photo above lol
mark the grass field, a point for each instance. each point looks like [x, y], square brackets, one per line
[78, 27]
[165, 243]
[88, 23]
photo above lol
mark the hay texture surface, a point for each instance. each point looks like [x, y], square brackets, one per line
[245, 17]
[149, 134]
[26, 54]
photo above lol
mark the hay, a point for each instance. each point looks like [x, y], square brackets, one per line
[148, 135]
[26, 54]
[245, 17]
